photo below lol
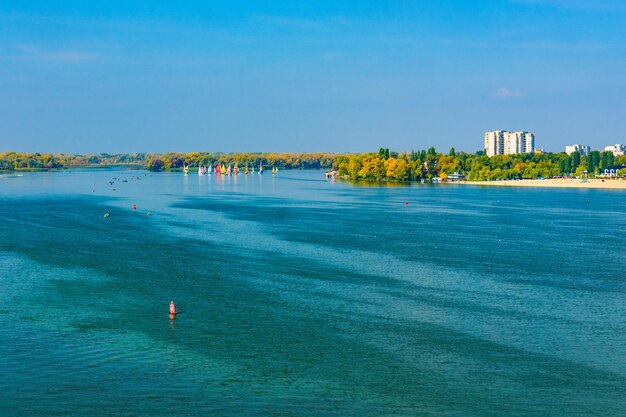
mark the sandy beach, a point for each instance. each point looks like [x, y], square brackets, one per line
[616, 184]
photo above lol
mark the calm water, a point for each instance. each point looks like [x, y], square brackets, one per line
[301, 297]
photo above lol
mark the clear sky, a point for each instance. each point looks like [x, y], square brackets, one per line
[150, 76]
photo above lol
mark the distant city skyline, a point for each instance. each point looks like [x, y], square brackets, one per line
[350, 76]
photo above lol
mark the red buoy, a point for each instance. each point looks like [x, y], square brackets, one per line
[406, 203]
[134, 206]
[173, 308]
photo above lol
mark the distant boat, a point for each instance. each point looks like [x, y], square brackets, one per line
[273, 171]
[218, 170]
[236, 170]
[223, 169]
[186, 169]
[253, 169]
[260, 168]
[228, 171]
[201, 170]
[246, 171]
[209, 170]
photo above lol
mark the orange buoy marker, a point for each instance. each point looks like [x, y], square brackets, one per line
[173, 311]
[134, 206]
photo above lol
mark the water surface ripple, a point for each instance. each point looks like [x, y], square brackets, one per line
[309, 298]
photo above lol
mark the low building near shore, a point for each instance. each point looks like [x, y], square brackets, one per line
[612, 171]
[456, 177]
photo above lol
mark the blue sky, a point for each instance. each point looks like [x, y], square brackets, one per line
[152, 76]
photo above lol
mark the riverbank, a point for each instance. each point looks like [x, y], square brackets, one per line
[619, 184]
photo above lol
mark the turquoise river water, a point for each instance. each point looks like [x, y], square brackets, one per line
[302, 297]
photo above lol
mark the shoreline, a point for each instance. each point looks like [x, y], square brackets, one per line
[597, 183]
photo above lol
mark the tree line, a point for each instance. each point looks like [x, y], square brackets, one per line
[427, 164]
[284, 160]
[11, 161]
[383, 165]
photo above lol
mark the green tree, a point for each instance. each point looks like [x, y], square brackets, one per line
[593, 162]
[607, 159]
[575, 160]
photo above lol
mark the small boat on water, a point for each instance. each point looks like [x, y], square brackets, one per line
[185, 169]
[201, 170]
[246, 171]
[228, 171]
[209, 170]
[236, 170]
[218, 170]
[260, 168]
[273, 171]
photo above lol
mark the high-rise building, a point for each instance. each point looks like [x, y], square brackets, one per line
[511, 142]
[494, 142]
[581, 149]
[501, 142]
[529, 143]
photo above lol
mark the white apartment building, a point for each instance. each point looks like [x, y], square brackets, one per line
[581, 149]
[494, 143]
[617, 149]
[501, 142]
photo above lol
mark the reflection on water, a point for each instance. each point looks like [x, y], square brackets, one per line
[385, 184]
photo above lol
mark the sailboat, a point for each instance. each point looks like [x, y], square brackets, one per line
[273, 171]
[236, 169]
[246, 171]
[209, 170]
[218, 170]
[260, 168]
[201, 170]
[186, 169]
[228, 171]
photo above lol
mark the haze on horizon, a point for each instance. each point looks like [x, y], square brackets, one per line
[337, 76]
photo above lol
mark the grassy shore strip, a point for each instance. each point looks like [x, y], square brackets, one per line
[614, 184]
